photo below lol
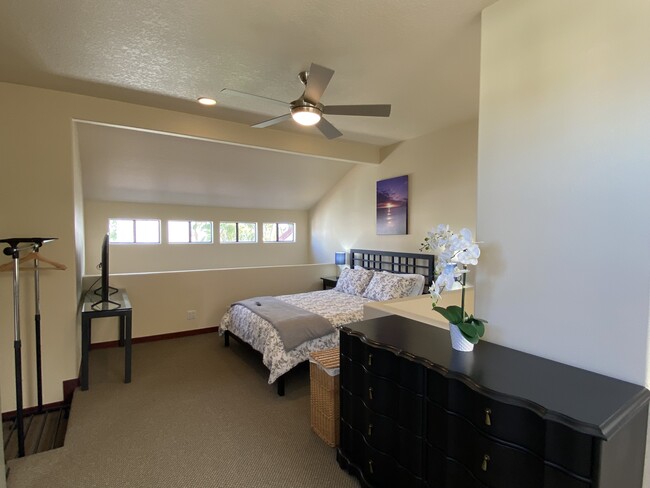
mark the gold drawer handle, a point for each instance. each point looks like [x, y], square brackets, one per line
[488, 420]
[370, 466]
[484, 465]
[370, 392]
[369, 359]
[369, 430]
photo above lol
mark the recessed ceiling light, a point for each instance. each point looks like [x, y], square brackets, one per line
[206, 101]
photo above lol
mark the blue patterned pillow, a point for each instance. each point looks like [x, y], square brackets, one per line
[387, 286]
[353, 281]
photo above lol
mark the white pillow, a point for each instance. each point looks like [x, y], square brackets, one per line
[387, 286]
[353, 281]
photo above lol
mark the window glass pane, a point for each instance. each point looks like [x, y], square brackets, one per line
[178, 231]
[147, 231]
[201, 232]
[286, 233]
[227, 232]
[269, 232]
[247, 232]
[121, 230]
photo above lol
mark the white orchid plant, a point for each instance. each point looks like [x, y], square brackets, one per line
[454, 252]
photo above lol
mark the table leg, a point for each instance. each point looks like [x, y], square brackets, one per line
[85, 346]
[122, 326]
[127, 348]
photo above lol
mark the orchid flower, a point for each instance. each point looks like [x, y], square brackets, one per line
[454, 252]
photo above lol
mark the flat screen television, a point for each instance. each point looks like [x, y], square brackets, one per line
[104, 291]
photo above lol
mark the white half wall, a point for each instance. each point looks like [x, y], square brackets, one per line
[564, 181]
[161, 300]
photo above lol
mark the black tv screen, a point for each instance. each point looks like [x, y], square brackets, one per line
[104, 291]
[104, 264]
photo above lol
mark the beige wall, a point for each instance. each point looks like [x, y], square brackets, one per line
[442, 189]
[41, 196]
[161, 300]
[174, 257]
[564, 174]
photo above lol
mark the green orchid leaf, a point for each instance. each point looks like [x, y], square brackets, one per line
[468, 330]
[452, 314]
[480, 328]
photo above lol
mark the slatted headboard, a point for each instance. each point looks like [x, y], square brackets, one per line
[394, 262]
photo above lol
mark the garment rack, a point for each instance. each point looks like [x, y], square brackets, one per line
[14, 248]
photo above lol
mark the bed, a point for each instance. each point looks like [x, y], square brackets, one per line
[372, 276]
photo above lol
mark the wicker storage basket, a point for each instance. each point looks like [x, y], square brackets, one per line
[324, 388]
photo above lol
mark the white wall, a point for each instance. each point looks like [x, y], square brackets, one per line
[173, 257]
[564, 179]
[563, 182]
[564, 174]
[442, 189]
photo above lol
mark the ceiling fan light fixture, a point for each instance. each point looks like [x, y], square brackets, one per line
[306, 115]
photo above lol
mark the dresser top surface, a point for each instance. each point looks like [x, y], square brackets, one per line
[591, 402]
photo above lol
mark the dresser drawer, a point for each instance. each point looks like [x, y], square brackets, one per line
[378, 469]
[518, 425]
[443, 472]
[383, 396]
[384, 363]
[491, 462]
[383, 434]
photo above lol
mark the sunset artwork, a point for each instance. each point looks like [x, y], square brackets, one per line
[392, 205]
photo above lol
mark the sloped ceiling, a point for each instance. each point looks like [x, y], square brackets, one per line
[421, 56]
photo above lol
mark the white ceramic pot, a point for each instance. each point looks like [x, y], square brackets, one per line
[458, 341]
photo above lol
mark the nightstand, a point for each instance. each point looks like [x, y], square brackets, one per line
[329, 281]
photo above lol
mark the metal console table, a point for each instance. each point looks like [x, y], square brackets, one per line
[122, 310]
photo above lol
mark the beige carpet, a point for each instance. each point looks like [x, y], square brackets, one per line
[195, 415]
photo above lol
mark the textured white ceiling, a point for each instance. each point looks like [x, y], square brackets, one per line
[421, 56]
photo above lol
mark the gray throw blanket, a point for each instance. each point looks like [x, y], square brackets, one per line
[294, 325]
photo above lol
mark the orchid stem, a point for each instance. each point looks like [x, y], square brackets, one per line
[462, 296]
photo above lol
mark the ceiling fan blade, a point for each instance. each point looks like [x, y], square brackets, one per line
[363, 110]
[230, 91]
[273, 121]
[318, 79]
[328, 129]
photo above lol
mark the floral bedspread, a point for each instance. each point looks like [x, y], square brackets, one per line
[339, 308]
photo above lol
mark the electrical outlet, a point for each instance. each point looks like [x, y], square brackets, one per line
[191, 314]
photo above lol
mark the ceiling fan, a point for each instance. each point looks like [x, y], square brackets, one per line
[307, 110]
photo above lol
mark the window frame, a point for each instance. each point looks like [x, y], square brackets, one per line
[189, 229]
[135, 234]
[277, 232]
[237, 241]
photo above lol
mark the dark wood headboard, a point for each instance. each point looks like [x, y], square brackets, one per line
[394, 262]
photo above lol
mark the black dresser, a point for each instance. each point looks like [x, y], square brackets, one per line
[415, 413]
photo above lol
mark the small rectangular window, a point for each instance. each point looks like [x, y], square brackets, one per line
[134, 231]
[189, 231]
[279, 232]
[237, 232]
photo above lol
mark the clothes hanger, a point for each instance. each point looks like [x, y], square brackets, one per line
[32, 256]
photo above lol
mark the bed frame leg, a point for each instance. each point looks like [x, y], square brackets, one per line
[280, 381]
[226, 338]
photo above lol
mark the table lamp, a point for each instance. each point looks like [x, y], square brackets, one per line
[339, 260]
